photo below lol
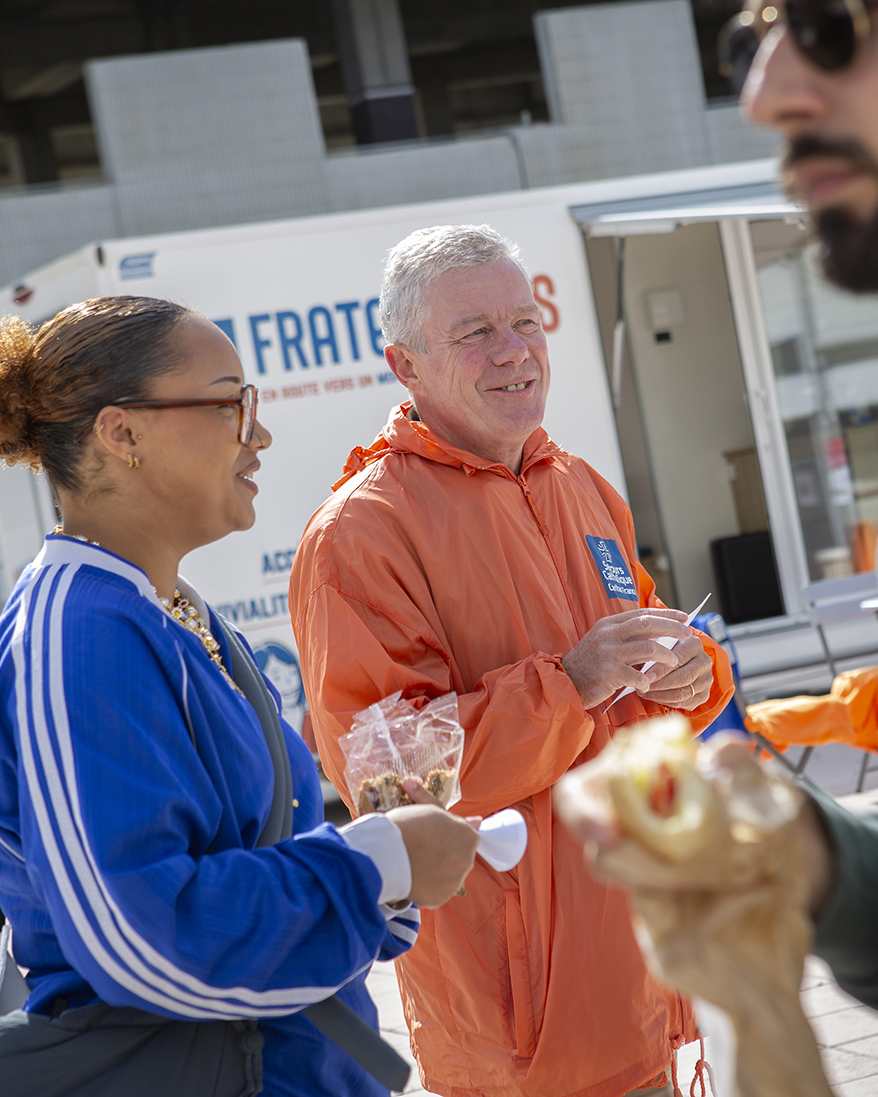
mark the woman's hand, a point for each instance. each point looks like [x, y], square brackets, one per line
[441, 846]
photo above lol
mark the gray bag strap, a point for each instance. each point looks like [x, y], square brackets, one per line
[350, 1032]
[251, 683]
[13, 988]
[332, 1017]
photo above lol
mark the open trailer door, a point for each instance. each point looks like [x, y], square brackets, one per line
[749, 407]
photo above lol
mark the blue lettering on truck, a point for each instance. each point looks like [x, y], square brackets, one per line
[322, 333]
[289, 340]
[290, 333]
[255, 609]
[277, 562]
[260, 342]
[227, 327]
[347, 308]
[375, 332]
[136, 266]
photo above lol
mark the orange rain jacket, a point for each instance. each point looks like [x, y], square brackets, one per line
[432, 570]
[848, 714]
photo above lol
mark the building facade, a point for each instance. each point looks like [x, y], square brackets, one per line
[201, 138]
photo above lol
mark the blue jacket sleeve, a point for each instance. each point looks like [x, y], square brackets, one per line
[402, 929]
[143, 793]
[402, 933]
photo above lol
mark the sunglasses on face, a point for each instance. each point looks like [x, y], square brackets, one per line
[827, 32]
[246, 404]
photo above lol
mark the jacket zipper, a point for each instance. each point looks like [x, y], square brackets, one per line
[544, 530]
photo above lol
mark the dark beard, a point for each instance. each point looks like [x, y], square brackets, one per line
[848, 250]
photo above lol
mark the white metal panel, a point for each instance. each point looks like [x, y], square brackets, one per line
[754, 201]
[39, 295]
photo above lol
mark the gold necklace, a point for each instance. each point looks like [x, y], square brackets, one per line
[188, 616]
[59, 530]
[183, 611]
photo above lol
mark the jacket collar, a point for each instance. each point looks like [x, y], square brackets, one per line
[401, 435]
[61, 549]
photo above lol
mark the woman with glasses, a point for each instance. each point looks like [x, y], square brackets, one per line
[169, 948]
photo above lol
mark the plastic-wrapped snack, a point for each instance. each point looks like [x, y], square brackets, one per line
[393, 740]
[718, 893]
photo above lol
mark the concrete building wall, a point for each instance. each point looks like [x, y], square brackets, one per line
[625, 72]
[210, 137]
[42, 224]
[628, 76]
[417, 173]
[730, 137]
[560, 153]
[207, 137]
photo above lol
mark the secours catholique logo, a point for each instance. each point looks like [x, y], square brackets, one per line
[612, 568]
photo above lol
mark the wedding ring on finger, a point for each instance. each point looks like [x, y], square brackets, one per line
[692, 694]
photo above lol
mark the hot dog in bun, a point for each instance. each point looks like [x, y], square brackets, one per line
[659, 796]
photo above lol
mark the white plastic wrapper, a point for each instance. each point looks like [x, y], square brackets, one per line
[393, 740]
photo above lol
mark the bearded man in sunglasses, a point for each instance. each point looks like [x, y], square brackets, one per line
[810, 71]
[814, 78]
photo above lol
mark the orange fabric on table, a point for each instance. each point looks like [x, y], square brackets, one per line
[864, 541]
[430, 570]
[847, 714]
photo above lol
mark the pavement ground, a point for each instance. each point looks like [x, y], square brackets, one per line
[846, 1031]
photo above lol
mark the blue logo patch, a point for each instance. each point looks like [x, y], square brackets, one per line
[613, 569]
[136, 266]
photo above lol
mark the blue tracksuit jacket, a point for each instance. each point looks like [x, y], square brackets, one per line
[134, 784]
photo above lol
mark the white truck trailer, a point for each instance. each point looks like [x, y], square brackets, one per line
[299, 300]
[706, 441]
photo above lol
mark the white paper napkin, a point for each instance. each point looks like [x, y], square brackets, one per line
[503, 839]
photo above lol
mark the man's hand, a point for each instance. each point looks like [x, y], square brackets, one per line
[605, 658]
[688, 685]
[590, 819]
[733, 758]
[441, 846]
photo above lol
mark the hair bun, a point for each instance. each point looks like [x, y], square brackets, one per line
[54, 382]
[16, 396]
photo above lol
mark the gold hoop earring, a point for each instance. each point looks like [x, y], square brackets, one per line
[97, 429]
[133, 461]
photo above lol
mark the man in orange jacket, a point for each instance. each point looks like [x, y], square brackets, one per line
[465, 551]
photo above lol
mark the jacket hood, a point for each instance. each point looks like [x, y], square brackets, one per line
[402, 435]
